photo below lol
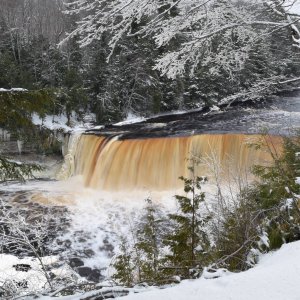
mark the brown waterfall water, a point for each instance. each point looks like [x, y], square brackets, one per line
[156, 163]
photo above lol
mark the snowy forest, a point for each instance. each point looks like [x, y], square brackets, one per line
[149, 149]
[143, 57]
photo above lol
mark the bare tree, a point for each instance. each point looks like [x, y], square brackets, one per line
[30, 235]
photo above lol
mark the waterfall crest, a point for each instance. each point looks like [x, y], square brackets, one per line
[156, 163]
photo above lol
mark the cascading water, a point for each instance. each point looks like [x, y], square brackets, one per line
[68, 167]
[156, 163]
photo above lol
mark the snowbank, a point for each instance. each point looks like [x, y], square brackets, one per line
[276, 277]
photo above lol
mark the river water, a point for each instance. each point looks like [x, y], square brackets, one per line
[278, 116]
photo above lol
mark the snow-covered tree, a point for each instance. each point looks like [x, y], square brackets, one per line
[210, 32]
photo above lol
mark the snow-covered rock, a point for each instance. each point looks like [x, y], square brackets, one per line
[131, 119]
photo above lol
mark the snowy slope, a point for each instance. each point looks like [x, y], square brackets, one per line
[276, 277]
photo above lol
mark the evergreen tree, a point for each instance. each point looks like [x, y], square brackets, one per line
[12, 170]
[141, 261]
[123, 265]
[277, 191]
[149, 237]
[266, 213]
[188, 242]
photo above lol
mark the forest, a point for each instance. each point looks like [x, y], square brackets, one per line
[148, 57]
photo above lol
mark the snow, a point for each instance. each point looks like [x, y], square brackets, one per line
[59, 122]
[13, 90]
[293, 6]
[131, 119]
[214, 108]
[264, 239]
[208, 274]
[276, 277]
[288, 204]
[34, 277]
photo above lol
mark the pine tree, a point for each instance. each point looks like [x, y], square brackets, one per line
[12, 170]
[267, 208]
[140, 261]
[149, 241]
[124, 267]
[188, 242]
[276, 192]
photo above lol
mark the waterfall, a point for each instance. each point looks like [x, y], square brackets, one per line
[20, 146]
[156, 163]
[68, 167]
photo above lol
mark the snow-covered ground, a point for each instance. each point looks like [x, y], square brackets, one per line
[293, 6]
[15, 277]
[276, 277]
[59, 122]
